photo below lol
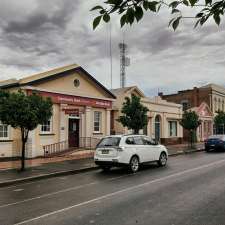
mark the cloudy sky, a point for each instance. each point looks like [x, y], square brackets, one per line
[37, 35]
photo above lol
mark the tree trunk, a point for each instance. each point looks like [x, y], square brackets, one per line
[23, 156]
[136, 131]
[191, 138]
[24, 136]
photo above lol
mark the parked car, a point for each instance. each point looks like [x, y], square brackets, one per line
[129, 150]
[215, 142]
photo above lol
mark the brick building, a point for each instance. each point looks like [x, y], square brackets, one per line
[211, 96]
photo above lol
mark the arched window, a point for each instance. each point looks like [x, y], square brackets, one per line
[219, 104]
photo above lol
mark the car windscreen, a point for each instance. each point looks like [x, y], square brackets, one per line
[109, 141]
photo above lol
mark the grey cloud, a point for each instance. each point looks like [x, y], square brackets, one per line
[48, 35]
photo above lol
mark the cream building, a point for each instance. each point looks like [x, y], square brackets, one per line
[163, 116]
[81, 112]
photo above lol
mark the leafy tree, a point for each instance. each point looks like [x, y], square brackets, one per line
[24, 112]
[190, 121]
[134, 114]
[131, 10]
[219, 122]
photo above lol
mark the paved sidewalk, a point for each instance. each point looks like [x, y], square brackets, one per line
[40, 161]
[47, 170]
[74, 162]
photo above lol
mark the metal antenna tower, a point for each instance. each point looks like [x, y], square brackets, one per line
[124, 61]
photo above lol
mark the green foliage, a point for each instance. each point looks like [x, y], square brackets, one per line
[21, 111]
[190, 121]
[24, 112]
[219, 121]
[129, 10]
[134, 114]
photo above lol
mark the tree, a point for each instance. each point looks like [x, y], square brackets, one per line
[131, 10]
[190, 121]
[24, 112]
[219, 122]
[134, 114]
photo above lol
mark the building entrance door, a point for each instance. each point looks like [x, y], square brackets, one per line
[73, 132]
[157, 128]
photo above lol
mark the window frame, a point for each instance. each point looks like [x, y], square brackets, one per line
[50, 126]
[7, 131]
[138, 137]
[100, 122]
[170, 122]
[131, 143]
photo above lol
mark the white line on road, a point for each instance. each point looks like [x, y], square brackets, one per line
[18, 190]
[121, 191]
[59, 192]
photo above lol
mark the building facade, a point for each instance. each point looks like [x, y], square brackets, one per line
[81, 112]
[163, 116]
[212, 94]
[206, 127]
[205, 101]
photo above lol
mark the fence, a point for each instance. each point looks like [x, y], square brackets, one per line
[55, 148]
[87, 143]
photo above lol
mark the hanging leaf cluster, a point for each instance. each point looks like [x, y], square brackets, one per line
[130, 11]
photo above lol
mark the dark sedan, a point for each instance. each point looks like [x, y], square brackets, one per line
[215, 142]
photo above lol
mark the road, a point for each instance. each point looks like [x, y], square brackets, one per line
[190, 190]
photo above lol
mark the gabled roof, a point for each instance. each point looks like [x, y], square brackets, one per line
[49, 75]
[125, 90]
[202, 110]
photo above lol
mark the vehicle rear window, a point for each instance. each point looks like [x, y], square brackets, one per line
[109, 141]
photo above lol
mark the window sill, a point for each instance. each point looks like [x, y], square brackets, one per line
[5, 140]
[97, 133]
[46, 134]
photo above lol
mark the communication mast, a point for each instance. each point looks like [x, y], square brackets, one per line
[124, 61]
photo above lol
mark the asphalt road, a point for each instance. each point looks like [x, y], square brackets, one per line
[190, 190]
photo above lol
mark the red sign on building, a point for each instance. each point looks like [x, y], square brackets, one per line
[74, 100]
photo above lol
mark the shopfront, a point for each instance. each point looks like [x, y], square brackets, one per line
[81, 111]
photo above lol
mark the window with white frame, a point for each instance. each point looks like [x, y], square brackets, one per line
[97, 122]
[4, 131]
[172, 128]
[47, 126]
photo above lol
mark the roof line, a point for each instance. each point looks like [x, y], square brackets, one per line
[52, 76]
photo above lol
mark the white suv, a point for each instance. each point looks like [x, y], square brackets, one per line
[130, 150]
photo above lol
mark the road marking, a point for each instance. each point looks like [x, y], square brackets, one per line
[18, 190]
[59, 192]
[120, 191]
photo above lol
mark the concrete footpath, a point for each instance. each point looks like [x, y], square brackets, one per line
[65, 165]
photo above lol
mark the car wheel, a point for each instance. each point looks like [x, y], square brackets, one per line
[162, 159]
[134, 164]
[106, 168]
